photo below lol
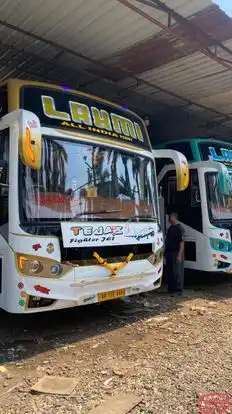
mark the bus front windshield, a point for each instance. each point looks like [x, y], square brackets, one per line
[87, 181]
[219, 205]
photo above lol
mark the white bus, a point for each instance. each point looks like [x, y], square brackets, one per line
[78, 193]
[205, 207]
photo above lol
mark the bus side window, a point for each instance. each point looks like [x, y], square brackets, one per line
[195, 190]
[185, 203]
[176, 199]
[4, 156]
[172, 193]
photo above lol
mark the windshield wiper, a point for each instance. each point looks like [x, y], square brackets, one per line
[146, 217]
[89, 213]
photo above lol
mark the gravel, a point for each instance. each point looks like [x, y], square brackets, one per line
[170, 351]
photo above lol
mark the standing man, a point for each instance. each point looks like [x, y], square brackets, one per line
[174, 252]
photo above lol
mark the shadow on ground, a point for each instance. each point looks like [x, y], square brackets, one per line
[23, 336]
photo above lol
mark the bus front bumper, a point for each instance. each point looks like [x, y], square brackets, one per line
[89, 285]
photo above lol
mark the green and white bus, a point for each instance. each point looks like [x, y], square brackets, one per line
[205, 207]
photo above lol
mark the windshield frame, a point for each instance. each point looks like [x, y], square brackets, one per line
[58, 135]
[213, 220]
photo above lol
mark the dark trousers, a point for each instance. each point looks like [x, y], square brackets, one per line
[175, 273]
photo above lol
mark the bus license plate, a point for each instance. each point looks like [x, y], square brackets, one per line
[113, 294]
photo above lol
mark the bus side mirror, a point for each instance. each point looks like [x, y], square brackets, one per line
[181, 164]
[3, 172]
[30, 141]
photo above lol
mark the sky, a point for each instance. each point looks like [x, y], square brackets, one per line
[225, 5]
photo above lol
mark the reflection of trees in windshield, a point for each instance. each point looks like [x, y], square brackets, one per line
[76, 177]
[52, 175]
[117, 169]
[50, 178]
[219, 205]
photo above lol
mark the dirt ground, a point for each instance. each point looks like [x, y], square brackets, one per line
[168, 350]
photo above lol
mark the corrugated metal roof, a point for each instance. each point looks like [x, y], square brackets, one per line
[123, 50]
[194, 78]
[97, 28]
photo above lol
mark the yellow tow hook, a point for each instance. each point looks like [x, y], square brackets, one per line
[112, 267]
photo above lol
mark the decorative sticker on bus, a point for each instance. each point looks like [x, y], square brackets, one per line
[106, 234]
[22, 302]
[50, 248]
[36, 247]
[42, 289]
[86, 114]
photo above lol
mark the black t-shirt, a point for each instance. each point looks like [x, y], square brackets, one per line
[175, 235]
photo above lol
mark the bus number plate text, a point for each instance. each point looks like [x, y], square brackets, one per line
[113, 294]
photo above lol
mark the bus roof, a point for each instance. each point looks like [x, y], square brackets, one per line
[203, 149]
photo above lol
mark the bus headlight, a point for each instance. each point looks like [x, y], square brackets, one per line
[35, 266]
[56, 269]
[40, 266]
